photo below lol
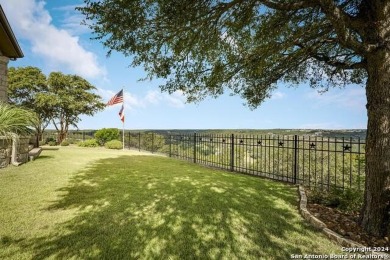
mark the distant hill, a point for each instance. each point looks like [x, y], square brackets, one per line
[347, 133]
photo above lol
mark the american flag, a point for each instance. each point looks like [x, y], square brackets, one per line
[122, 114]
[118, 98]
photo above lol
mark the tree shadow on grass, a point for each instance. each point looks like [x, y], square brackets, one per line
[148, 207]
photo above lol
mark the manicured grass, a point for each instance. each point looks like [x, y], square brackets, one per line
[84, 203]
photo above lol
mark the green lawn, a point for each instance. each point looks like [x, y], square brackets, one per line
[85, 203]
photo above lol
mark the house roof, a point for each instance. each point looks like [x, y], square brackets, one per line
[9, 46]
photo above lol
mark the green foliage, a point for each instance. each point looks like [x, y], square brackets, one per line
[71, 140]
[114, 144]
[64, 143]
[15, 120]
[27, 87]
[71, 96]
[52, 143]
[152, 142]
[59, 98]
[50, 139]
[204, 47]
[106, 134]
[89, 143]
[347, 199]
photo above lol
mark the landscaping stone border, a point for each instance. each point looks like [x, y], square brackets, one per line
[318, 224]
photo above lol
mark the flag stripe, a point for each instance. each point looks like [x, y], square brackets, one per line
[122, 114]
[118, 98]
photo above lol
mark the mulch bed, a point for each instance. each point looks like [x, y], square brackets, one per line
[346, 224]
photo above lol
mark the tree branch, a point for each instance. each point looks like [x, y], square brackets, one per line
[343, 25]
[331, 61]
[296, 5]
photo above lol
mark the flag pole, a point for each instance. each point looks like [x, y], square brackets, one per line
[123, 122]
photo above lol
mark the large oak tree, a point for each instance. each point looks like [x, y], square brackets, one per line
[249, 46]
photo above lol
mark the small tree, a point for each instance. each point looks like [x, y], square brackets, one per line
[106, 134]
[27, 87]
[59, 99]
[70, 96]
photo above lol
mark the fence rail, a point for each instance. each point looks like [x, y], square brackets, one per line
[316, 162]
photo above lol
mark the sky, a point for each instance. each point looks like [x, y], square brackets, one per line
[52, 38]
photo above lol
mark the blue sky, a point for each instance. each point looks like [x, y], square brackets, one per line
[51, 37]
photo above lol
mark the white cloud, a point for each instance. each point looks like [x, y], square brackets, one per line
[72, 20]
[278, 95]
[31, 21]
[153, 97]
[350, 98]
[176, 99]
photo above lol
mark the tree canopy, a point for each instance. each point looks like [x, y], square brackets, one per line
[60, 99]
[27, 87]
[247, 47]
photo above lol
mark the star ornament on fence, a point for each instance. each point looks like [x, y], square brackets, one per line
[347, 147]
[312, 146]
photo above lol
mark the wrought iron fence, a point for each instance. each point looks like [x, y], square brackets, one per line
[316, 162]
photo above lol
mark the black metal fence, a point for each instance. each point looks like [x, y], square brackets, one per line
[314, 161]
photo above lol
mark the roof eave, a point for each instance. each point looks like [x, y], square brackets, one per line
[17, 51]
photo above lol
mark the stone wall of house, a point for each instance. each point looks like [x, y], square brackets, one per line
[3, 78]
[22, 149]
[5, 152]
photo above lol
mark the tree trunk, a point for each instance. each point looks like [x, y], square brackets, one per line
[61, 136]
[375, 212]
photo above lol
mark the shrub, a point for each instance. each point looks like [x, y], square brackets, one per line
[89, 143]
[50, 139]
[106, 134]
[114, 144]
[15, 120]
[65, 143]
[71, 140]
[347, 199]
[52, 143]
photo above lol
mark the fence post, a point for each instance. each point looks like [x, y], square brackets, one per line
[139, 141]
[194, 147]
[83, 136]
[170, 145]
[295, 158]
[129, 140]
[152, 142]
[232, 153]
